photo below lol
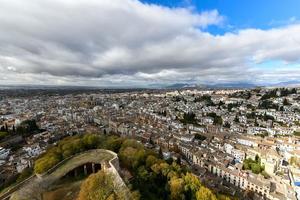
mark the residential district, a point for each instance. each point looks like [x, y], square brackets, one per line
[233, 140]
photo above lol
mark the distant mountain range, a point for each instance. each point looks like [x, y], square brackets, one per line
[232, 85]
[210, 86]
[236, 85]
[294, 83]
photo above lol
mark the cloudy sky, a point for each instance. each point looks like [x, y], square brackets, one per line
[140, 43]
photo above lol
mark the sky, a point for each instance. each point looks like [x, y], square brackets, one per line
[131, 43]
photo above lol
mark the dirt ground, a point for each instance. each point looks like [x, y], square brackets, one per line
[66, 191]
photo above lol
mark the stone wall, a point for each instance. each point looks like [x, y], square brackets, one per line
[120, 187]
[40, 183]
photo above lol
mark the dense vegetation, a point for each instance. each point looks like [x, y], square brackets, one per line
[28, 127]
[189, 118]
[266, 117]
[153, 177]
[296, 133]
[269, 94]
[4, 128]
[200, 137]
[267, 104]
[255, 166]
[227, 125]
[97, 186]
[251, 115]
[232, 105]
[206, 99]
[241, 94]
[3, 134]
[278, 92]
[294, 161]
[217, 119]
[178, 99]
[73, 145]
[263, 134]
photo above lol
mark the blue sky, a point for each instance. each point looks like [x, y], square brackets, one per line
[149, 42]
[262, 14]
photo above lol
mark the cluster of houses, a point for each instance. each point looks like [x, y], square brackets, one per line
[226, 128]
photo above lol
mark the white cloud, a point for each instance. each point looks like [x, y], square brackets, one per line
[107, 42]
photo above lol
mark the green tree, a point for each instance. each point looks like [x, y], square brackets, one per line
[205, 194]
[135, 195]
[223, 197]
[27, 172]
[3, 134]
[151, 160]
[113, 143]
[91, 141]
[257, 159]
[256, 168]
[27, 127]
[253, 165]
[236, 119]
[192, 185]
[131, 157]
[176, 188]
[97, 186]
[45, 163]
[143, 173]
[227, 125]
[286, 102]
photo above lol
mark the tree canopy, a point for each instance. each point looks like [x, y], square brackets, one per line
[97, 186]
[255, 166]
[73, 145]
